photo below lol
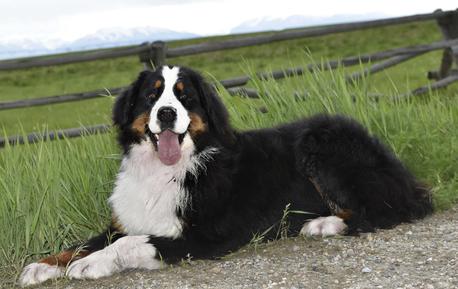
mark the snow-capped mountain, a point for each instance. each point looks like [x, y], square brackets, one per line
[104, 38]
[127, 36]
[296, 21]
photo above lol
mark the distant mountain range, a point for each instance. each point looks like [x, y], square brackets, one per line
[296, 21]
[104, 38]
[114, 37]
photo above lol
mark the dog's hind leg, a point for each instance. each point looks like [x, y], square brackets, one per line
[360, 180]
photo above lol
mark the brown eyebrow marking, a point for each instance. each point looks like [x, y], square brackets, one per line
[157, 84]
[180, 86]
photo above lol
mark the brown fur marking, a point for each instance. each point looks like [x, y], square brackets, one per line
[115, 224]
[345, 214]
[140, 122]
[157, 84]
[65, 257]
[197, 125]
[180, 86]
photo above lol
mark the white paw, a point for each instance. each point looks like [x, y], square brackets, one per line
[36, 273]
[126, 253]
[96, 265]
[324, 226]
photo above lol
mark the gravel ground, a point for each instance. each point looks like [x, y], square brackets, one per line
[420, 255]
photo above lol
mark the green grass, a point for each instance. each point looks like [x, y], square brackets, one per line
[53, 194]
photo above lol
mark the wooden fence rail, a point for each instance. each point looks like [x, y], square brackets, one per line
[147, 49]
[394, 56]
[89, 130]
[54, 135]
[392, 61]
[59, 98]
[301, 33]
[40, 61]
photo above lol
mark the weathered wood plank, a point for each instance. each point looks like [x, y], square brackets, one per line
[247, 92]
[53, 135]
[444, 82]
[59, 98]
[448, 25]
[404, 54]
[155, 56]
[390, 62]
[299, 33]
[76, 57]
[435, 74]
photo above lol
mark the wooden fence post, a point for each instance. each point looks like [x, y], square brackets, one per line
[155, 55]
[448, 25]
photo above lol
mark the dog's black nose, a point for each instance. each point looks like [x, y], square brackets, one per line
[167, 114]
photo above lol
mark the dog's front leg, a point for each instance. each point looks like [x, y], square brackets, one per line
[142, 252]
[54, 266]
[126, 253]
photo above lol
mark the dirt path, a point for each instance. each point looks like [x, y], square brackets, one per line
[421, 255]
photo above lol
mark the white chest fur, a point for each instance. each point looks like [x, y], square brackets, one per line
[148, 193]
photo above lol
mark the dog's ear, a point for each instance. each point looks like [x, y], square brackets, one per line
[122, 109]
[216, 112]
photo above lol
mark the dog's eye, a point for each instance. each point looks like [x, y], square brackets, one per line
[152, 95]
[182, 97]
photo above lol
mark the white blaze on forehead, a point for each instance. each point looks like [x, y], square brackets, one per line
[169, 99]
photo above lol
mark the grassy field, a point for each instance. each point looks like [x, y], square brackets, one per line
[53, 194]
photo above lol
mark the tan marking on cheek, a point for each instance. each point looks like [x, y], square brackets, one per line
[65, 257]
[140, 122]
[180, 86]
[197, 125]
[157, 84]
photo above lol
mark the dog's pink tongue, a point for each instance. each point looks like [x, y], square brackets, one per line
[168, 148]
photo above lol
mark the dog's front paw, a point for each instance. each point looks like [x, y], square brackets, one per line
[94, 266]
[36, 273]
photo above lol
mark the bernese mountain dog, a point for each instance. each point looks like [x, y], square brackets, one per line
[191, 186]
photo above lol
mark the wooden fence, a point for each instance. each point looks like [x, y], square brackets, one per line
[156, 53]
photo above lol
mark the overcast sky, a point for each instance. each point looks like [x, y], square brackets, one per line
[70, 19]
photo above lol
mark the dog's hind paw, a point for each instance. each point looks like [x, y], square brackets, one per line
[324, 226]
[36, 273]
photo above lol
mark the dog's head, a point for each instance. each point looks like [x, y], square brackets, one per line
[167, 104]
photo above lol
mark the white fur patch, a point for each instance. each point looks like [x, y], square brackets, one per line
[127, 252]
[148, 193]
[324, 226]
[168, 98]
[35, 273]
